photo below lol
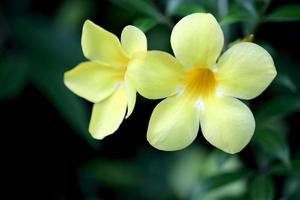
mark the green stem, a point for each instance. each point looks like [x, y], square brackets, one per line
[260, 16]
[163, 18]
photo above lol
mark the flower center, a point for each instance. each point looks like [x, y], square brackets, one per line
[120, 72]
[200, 82]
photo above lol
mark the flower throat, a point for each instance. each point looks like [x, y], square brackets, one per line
[200, 82]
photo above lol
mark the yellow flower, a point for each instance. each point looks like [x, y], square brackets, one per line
[202, 88]
[103, 80]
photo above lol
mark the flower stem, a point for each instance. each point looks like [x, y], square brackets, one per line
[260, 16]
[164, 19]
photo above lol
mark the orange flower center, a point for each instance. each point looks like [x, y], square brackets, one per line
[200, 82]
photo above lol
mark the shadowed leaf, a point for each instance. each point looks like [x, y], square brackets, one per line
[49, 60]
[262, 188]
[145, 24]
[285, 13]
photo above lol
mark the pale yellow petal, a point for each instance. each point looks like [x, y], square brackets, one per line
[174, 124]
[227, 123]
[131, 95]
[197, 40]
[101, 46]
[108, 114]
[133, 40]
[245, 70]
[155, 74]
[92, 81]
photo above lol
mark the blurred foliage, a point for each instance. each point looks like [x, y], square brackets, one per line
[285, 13]
[36, 49]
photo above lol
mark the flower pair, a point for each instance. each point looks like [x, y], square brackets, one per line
[199, 85]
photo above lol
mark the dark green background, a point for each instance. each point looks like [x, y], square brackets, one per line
[48, 153]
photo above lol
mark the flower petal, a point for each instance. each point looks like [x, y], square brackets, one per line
[101, 46]
[92, 81]
[131, 95]
[155, 74]
[174, 124]
[133, 40]
[197, 40]
[245, 70]
[108, 114]
[227, 123]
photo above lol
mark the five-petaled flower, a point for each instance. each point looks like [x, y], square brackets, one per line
[202, 87]
[104, 80]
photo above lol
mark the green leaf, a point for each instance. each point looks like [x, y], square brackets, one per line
[139, 6]
[291, 188]
[217, 181]
[185, 9]
[51, 52]
[71, 107]
[211, 6]
[13, 76]
[249, 6]
[172, 5]
[158, 38]
[285, 13]
[286, 81]
[286, 65]
[234, 17]
[262, 188]
[145, 24]
[188, 177]
[278, 108]
[111, 173]
[72, 14]
[272, 144]
[290, 169]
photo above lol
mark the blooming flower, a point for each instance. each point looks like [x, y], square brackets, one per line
[103, 80]
[202, 88]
